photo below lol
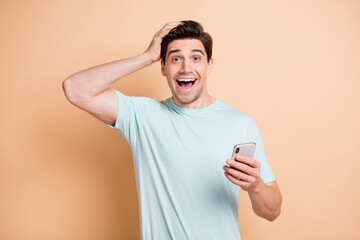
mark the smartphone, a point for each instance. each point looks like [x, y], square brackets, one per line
[246, 149]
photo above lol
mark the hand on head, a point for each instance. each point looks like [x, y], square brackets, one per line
[154, 48]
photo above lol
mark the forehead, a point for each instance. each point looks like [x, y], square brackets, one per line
[185, 45]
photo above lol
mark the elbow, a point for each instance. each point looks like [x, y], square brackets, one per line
[274, 216]
[276, 210]
[69, 88]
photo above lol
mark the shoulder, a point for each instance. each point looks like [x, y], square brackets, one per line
[147, 101]
[137, 101]
[235, 113]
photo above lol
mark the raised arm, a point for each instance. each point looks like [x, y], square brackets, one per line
[90, 90]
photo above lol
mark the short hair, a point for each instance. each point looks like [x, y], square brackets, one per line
[187, 30]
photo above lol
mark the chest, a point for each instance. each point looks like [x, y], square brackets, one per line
[188, 147]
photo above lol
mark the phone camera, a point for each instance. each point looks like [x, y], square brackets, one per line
[237, 150]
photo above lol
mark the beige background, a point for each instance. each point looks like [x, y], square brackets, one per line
[292, 65]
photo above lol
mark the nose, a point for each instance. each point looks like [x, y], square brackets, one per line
[186, 67]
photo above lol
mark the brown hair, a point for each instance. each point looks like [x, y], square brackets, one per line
[187, 30]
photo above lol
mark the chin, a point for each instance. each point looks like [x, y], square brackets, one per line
[185, 100]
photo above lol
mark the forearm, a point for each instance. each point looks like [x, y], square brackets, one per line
[92, 81]
[266, 200]
[85, 85]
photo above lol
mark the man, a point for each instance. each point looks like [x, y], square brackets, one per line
[180, 146]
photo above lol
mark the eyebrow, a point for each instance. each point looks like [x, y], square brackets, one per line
[193, 50]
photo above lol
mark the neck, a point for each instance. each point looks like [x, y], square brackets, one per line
[201, 102]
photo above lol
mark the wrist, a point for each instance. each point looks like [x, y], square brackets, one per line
[150, 57]
[257, 187]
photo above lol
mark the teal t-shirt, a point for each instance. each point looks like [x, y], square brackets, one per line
[179, 154]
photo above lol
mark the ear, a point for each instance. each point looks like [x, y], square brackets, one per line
[162, 68]
[210, 66]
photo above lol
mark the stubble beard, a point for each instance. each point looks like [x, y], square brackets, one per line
[188, 99]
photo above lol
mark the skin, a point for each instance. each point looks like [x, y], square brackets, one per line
[265, 198]
[186, 59]
[90, 90]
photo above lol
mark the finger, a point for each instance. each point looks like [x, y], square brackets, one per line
[248, 160]
[243, 167]
[236, 181]
[238, 174]
[172, 24]
[167, 28]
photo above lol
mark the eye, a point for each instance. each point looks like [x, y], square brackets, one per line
[175, 59]
[197, 58]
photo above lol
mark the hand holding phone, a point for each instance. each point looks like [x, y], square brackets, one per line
[247, 177]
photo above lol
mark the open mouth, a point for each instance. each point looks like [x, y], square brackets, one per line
[185, 83]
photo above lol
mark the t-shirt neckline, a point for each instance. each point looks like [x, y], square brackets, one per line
[192, 110]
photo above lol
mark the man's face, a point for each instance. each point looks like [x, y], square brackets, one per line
[186, 69]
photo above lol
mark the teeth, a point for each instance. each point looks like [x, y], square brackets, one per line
[186, 80]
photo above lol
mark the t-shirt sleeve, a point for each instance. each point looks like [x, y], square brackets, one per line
[266, 173]
[125, 122]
